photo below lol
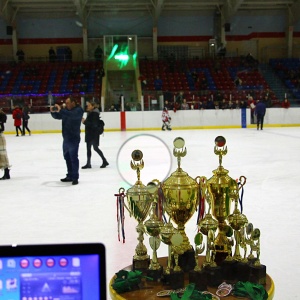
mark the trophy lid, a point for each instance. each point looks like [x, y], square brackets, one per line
[137, 164]
[221, 177]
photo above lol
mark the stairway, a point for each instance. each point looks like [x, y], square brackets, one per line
[274, 82]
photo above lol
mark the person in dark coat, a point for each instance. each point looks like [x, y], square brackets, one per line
[25, 118]
[260, 111]
[92, 136]
[71, 116]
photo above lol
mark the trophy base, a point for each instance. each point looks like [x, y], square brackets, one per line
[186, 261]
[175, 280]
[258, 274]
[228, 270]
[242, 271]
[251, 261]
[140, 264]
[220, 257]
[214, 276]
[156, 275]
[199, 278]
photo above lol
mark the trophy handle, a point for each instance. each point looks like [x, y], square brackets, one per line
[122, 192]
[242, 181]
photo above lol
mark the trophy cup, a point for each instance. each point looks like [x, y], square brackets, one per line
[221, 186]
[181, 199]
[139, 201]
[153, 226]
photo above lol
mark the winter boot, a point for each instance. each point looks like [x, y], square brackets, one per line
[6, 174]
[104, 164]
[88, 164]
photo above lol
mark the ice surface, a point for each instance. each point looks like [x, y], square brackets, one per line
[37, 208]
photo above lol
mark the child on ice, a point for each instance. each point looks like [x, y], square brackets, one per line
[166, 119]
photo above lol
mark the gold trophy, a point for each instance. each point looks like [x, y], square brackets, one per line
[139, 201]
[166, 233]
[258, 271]
[181, 199]
[237, 221]
[221, 186]
[153, 227]
[198, 275]
[208, 226]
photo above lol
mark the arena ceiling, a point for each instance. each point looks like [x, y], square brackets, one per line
[12, 10]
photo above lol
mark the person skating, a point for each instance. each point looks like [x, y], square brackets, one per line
[166, 119]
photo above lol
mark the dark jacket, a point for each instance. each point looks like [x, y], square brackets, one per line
[91, 126]
[71, 121]
[260, 108]
[3, 119]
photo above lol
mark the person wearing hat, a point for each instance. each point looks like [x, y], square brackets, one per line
[4, 163]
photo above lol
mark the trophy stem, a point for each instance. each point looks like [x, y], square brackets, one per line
[185, 246]
[168, 269]
[140, 250]
[222, 244]
[237, 255]
[177, 267]
[154, 264]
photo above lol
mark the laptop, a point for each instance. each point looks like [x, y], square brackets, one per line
[53, 272]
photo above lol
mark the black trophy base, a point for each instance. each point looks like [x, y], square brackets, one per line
[186, 261]
[214, 276]
[228, 270]
[242, 271]
[220, 257]
[156, 275]
[175, 280]
[140, 264]
[258, 274]
[199, 278]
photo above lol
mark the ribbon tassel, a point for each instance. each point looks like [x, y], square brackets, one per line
[120, 216]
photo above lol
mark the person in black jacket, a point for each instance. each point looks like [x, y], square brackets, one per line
[260, 111]
[25, 118]
[92, 136]
[4, 163]
[71, 115]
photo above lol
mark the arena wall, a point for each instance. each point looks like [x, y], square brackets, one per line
[182, 119]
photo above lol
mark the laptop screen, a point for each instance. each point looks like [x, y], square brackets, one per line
[53, 272]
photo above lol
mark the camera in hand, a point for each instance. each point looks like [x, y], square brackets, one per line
[54, 108]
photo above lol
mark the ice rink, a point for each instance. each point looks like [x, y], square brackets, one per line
[37, 208]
